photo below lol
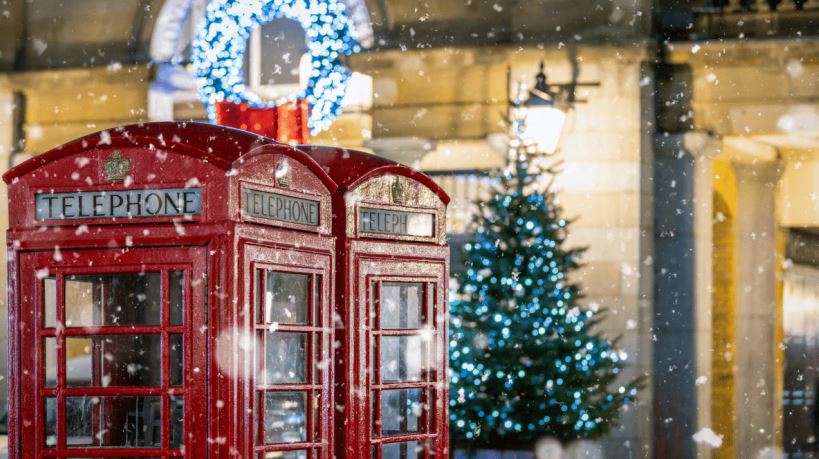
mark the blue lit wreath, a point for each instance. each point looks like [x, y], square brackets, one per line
[220, 44]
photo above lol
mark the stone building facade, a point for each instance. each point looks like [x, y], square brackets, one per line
[692, 170]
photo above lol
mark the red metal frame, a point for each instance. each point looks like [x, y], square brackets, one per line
[430, 269]
[427, 385]
[219, 251]
[188, 260]
[315, 262]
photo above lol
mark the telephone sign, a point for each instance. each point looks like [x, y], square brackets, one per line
[170, 202]
[395, 222]
[280, 207]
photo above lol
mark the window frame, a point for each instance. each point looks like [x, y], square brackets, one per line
[316, 384]
[431, 379]
[189, 261]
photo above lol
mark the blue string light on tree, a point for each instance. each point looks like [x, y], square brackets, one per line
[220, 45]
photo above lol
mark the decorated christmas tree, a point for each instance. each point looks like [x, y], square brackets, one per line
[525, 360]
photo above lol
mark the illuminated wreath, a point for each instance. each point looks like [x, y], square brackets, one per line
[220, 44]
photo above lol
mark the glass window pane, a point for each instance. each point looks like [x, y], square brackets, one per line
[50, 350]
[431, 409]
[286, 298]
[373, 314]
[50, 408]
[430, 297]
[298, 454]
[285, 417]
[400, 411]
[322, 361]
[317, 319]
[114, 360]
[401, 304]
[177, 359]
[177, 421]
[50, 302]
[371, 369]
[401, 358]
[122, 421]
[177, 290]
[286, 357]
[112, 299]
[405, 450]
[374, 421]
[259, 295]
[317, 419]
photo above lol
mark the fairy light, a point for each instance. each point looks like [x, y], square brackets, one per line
[221, 42]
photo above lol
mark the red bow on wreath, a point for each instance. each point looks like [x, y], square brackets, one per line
[286, 123]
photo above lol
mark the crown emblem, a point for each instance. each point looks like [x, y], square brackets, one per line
[283, 173]
[117, 167]
[397, 191]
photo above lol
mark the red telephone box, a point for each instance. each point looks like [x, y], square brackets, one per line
[392, 297]
[177, 290]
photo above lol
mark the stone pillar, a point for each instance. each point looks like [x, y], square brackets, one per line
[606, 186]
[703, 148]
[756, 314]
[674, 327]
[682, 285]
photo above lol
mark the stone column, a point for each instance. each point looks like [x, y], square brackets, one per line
[675, 322]
[756, 314]
[703, 147]
[682, 286]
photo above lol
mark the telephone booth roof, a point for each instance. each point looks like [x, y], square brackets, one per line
[219, 145]
[350, 168]
[203, 162]
[214, 162]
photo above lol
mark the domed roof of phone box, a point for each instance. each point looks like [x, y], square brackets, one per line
[349, 168]
[220, 145]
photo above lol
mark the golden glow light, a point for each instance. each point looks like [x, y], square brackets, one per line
[543, 126]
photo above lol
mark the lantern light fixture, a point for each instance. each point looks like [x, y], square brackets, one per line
[542, 111]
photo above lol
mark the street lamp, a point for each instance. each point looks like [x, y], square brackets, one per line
[543, 116]
[538, 115]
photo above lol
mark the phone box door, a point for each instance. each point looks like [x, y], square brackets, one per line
[403, 304]
[115, 353]
[289, 294]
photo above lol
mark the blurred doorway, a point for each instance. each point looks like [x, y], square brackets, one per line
[800, 305]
